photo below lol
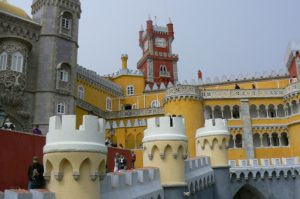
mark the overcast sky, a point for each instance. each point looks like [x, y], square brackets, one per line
[217, 36]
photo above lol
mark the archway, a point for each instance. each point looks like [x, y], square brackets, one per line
[248, 192]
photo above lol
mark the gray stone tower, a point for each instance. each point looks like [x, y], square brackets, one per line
[56, 58]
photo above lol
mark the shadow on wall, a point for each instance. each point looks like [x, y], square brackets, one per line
[248, 192]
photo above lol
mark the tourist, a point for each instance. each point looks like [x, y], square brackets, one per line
[237, 86]
[117, 162]
[123, 162]
[36, 130]
[133, 158]
[35, 174]
[253, 86]
[8, 125]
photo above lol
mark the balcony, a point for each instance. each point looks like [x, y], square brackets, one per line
[164, 74]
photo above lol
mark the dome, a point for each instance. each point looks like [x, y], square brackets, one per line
[8, 8]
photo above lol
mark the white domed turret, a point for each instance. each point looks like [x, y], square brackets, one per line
[212, 140]
[165, 147]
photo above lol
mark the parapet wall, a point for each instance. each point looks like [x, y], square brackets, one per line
[130, 184]
[165, 128]
[276, 168]
[198, 174]
[63, 135]
[213, 127]
[24, 194]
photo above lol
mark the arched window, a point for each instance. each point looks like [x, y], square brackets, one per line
[280, 110]
[17, 62]
[108, 104]
[271, 111]
[217, 112]
[284, 139]
[66, 23]
[231, 143]
[236, 112]
[238, 141]
[3, 60]
[256, 140]
[266, 140]
[275, 139]
[63, 75]
[295, 108]
[253, 111]
[130, 90]
[81, 92]
[262, 111]
[227, 112]
[60, 108]
[207, 112]
[155, 104]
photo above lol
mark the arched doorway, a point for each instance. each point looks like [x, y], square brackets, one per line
[248, 192]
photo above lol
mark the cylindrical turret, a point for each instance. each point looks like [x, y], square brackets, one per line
[165, 147]
[187, 101]
[124, 58]
[75, 159]
[212, 140]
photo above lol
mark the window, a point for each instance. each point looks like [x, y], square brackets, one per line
[17, 62]
[3, 61]
[130, 90]
[63, 75]
[80, 92]
[66, 23]
[108, 104]
[155, 104]
[60, 108]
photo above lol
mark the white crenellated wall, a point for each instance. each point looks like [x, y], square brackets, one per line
[213, 127]
[165, 128]
[63, 135]
[212, 140]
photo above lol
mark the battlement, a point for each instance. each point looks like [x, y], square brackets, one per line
[213, 127]
[165, 128]
[276, 168]
[24, 194]
[140, 183]
[63, 135]
[198, 173]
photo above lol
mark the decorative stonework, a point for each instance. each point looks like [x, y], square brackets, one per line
[243, 93]
[183, 92]
[12, 86]
[135, 113]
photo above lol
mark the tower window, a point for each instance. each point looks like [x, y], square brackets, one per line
[17, 62]
[80, 92]
[3, 61]
[108, 104]
[60, 109]
[66, 23]
[130, 90]
[63, 75]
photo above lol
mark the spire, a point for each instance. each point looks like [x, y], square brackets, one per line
[142, 28]
[149, 17]
[170, 21]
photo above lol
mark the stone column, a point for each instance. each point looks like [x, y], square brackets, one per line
[247, 126]
[261, 140]
[234, 145]
[270, 138]
[279, 139]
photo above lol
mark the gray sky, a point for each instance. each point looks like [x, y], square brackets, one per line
[219, 37]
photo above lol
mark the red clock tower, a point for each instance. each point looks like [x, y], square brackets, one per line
[158, 63]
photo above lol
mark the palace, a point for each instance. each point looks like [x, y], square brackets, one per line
[40, 78]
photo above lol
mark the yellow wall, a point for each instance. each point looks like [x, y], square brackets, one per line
[192, 111]
[137, 81]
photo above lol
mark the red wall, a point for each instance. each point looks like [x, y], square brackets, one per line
[16, 152]
[111, 152]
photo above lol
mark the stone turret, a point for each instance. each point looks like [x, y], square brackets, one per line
[75, 159]
[212, 140]
[165, 147]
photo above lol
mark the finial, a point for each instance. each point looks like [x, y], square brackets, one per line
[142, 28]
[155, 20]
[170, 21]
[149, 17]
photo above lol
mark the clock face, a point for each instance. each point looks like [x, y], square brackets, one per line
[160, 42]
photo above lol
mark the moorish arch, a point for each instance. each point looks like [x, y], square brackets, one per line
[248, 192]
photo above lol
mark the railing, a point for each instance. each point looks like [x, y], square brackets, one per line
[87, 106]
[164, 74]
[249, 93]
[135, 113]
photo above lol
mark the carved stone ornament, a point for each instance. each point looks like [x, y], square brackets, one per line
[150, 156]
[76, 175]
[58, 175]
[94, 176]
